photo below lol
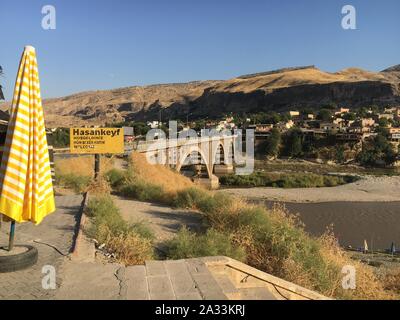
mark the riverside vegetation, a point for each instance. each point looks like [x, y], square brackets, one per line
[270, 240]
[286, 180]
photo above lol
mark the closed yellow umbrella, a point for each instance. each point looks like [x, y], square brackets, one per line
[26, 190]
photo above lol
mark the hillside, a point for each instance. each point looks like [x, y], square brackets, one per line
[278, 90]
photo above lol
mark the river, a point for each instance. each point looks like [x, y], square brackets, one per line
[353, 222]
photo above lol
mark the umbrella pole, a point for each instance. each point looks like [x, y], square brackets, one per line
[12, 233]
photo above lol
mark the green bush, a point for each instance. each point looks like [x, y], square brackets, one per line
[105, 217]
[115, 177]
[76, 182]
[275, 240]
[144, 191]
[213, 243]
[132, 242]
[286, 180]
[190, 198]
[202, 200]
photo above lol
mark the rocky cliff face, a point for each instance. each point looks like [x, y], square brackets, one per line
[279, 90]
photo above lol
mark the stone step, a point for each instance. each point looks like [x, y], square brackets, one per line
[227, 286]
[256, 294]
[206, 284]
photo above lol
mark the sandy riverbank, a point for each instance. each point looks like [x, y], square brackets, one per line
[369, 189]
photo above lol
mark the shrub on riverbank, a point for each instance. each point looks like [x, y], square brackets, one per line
[213, 243]
[130, 242]
[270, 240]
[286, 180]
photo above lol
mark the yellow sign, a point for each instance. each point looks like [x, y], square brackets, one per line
[96, 140]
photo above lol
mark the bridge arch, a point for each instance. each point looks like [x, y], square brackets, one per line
[224, 151]
[188, 152]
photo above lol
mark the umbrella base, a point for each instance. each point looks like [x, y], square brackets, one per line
[21, 257]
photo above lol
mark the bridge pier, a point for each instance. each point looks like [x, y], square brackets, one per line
[222, 169]
[210, 183]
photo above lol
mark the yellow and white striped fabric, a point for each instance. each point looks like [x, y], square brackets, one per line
[26, 190]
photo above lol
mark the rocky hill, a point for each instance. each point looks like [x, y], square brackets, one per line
[278, 90]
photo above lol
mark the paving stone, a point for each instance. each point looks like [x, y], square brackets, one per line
[155, 268]
[208, 287]
[256, 294]
[227, 287]
[196, 266]
[135, 271]
[189, 296]
[136, 281]
[56, 230]
[183, 284]
[176, 267]
[160, 288]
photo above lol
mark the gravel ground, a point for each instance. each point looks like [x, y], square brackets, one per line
[369, 189]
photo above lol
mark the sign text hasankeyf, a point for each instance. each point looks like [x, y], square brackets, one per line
[96, 140]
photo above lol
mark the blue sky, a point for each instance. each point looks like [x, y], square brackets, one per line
[102, 44]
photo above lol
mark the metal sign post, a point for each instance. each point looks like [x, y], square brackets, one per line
[96, 166]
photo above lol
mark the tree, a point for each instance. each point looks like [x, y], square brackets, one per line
[379, 151]
[273, 143]
[324, 115]
[350, 116]
[61, 138]
[340, 156]
[363, 113]
[294, 144]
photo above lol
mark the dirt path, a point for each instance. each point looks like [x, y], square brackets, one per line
[164, 221]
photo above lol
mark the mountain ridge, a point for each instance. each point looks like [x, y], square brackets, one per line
[278, 90]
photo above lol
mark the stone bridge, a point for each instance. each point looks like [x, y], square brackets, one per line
[214, 153]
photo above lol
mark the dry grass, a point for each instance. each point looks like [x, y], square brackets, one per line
[77, 173]
[272, 240]
[130, 249]
[159, 175]
[132, 243]
[99, 186]
[368, 285]
[391, 281]
[82, 166]
[293, 78]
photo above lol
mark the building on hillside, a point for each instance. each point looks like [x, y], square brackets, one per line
[294, 114]
[225, 125]
[284, 126]
[262, 128]
[342, 111]
[354, 136]
[312, 133]
[330, 126]
[367, 122]
[358, 129]
[394, 130]
[338, 120]
[153, 124]
[129, 136]
[349, 137]
[390, 110]
[394, 135]
[388, 116]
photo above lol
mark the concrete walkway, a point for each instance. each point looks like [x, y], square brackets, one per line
[53, 238]
[188, 279]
